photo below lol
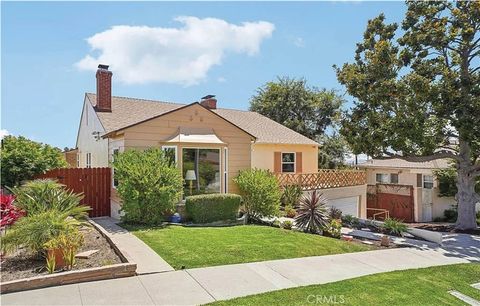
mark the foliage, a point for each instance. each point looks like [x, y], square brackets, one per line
[69, 243]
[22, 159]
[450, 215]
[276, 223]
[9, 212]
[394, 227]
[287, 224]
[418, 97]
[35, 230]
[334, 228]
[333, 149]
[213, 207]
[290, 212]
[39, 196]
[351, 221]
[50, 263]
[260, 192]
[148, 183]
[291, 195]
[447, 182]
[291, 102]
[335, 213]
[312, 215]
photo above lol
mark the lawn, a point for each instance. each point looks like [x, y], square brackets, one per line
[193, 247]
[411, 287]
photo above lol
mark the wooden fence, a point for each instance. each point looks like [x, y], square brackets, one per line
[94, 183]
[324, 178]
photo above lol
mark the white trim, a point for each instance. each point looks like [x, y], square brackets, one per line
[176, 151]
[423, 180]
[113, 169]
[219, 148]
[225, 169]
[294, 161]
[88, 160]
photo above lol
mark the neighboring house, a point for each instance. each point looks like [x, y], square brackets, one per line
[71, 156]
[214, 142]
[408, 190]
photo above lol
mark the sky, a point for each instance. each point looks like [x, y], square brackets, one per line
[168, 51]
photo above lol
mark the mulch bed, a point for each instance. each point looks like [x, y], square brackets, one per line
[24, 264]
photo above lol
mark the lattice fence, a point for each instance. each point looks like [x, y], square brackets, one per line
[323, 179]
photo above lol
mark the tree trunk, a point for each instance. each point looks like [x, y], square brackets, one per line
[466, 196]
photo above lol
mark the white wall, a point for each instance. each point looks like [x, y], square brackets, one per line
[86, 142]
[359, 191]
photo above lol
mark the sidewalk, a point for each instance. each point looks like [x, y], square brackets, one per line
[203, 285]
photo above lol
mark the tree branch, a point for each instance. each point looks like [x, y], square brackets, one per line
[420, 159]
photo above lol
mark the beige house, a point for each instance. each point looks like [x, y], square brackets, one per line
[419, 200]
[216, 143]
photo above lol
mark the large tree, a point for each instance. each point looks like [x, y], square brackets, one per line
[417, 92]
[291, 102]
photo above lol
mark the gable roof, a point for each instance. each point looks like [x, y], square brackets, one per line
[127, 112]
[400, 163]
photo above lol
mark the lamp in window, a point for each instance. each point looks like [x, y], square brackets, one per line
[190, 176]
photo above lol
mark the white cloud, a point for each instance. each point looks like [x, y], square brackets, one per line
[3, 133]
[299, 42]
[221, 80]
[184, 55]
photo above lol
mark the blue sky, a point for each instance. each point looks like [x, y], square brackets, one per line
[46, 58]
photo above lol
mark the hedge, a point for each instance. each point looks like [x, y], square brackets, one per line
[207, 208]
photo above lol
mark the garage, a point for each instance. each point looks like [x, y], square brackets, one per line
[348, 206]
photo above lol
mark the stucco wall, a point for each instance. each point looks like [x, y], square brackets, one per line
[87, 143]
[263, 155]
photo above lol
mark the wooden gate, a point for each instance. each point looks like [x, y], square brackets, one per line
[94, 183]
[396, 199]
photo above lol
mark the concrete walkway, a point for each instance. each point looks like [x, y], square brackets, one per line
[203, 285]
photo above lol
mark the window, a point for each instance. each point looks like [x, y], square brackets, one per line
[78, 160]
[382, 178]
[114, 180]
[201, 170]
[88, 160]
[393, 178]
[225, 169]
[428, 181]
[288, 162]
[171, 152]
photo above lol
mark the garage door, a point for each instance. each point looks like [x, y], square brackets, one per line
[348, 206]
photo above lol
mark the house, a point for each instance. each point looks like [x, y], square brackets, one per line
[214, 142]
[71, 157]
[408, 190]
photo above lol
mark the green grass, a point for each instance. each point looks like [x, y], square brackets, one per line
[411, 287]
[194, 247]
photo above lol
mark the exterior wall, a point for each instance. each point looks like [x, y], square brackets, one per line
[71, 158]
[359, 191]
[409, 177]
[155, 132]
[86, 142]
[263, 155]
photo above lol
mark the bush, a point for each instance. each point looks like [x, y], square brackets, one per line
[287, 224]
[312, 213]
[22, 159]
[148, 184]
[290, 212]
[335, 213]
[9, 212]
[394, 227]
[351, 221]
[334, 228]
[291, 195]
[43, 195]
[260, 192]
[450, 215]
[207, 208]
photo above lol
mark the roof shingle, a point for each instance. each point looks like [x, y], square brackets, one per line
[400, 163]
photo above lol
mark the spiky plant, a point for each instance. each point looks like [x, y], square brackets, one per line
[335, 213]
[312, 214]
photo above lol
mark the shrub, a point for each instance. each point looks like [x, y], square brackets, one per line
[207, 208]
[276, 223]
[43, 195]
[394, 227]
[334, 228]
[291, 195]
[68, 243]
[148, 184]
[351, 221]
[9, 212]
[335, 213]
[260, 192]
[312, 215]
[290, 212]
[287, 224]
[450, 215]
[22, 159]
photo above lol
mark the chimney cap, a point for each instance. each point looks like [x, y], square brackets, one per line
[208, 97]
[102, 66]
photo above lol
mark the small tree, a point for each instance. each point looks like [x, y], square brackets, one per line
[260, 192]
[22, 159]
[148, 183]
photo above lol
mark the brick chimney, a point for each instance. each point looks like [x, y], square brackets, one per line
[104, 89]
[209, 102]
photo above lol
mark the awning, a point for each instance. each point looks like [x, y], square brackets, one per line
[195, 135]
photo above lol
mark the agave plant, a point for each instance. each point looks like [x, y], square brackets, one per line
[312, 214]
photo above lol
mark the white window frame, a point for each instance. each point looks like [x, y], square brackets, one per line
[387, 175]
[427, 181]
[225, 170]
[176, 151]
[113, 169]
[398, 178]
[294, 162]
[88, 160]
[206, 148]
[78, 160]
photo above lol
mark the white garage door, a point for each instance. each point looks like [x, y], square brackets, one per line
[348, 206]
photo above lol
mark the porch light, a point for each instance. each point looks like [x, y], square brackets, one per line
[190, 176]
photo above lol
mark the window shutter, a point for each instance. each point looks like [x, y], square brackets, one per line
[419, 180]
[298, 162]
[277, 162]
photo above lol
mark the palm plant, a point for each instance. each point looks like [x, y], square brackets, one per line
[312, 214]
[39, 196]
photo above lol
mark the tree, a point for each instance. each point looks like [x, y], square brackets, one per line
[22, 159]
[333, 149]
[291, 102]
[418, 97]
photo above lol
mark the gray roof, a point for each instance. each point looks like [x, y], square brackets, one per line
[130, 111]
[400, 163]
